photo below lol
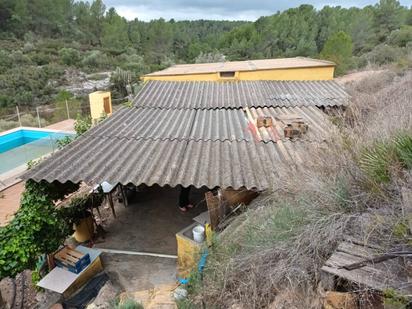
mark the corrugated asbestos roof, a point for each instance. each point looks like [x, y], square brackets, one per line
[208, 125]
[248, 65]
[172, 146]
[225, 164]
[237, 94]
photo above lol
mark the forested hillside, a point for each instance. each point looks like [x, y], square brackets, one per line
[41, 39]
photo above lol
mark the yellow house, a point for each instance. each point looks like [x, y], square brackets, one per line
[298, 68]
[100, 105]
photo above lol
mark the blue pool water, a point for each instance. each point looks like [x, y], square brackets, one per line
[21, 146]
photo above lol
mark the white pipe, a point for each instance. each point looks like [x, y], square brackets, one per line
[168, 256]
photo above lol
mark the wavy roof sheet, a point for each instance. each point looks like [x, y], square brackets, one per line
[208, 125]
[225, 164]
[186, 142]
[237, 94]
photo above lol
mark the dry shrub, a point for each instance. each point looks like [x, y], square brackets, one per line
[278, 246]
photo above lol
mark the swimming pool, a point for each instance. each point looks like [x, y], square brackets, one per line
[19, 146]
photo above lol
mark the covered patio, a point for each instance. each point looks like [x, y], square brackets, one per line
[150, 221]
[147, 225]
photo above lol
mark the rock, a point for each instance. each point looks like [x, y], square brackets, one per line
[105, 298]
[2, 302]
[46, 298]
[18, 292]
[79, 83]
[7, 290]
[180, 293]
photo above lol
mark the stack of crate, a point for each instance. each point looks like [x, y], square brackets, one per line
[71, 260]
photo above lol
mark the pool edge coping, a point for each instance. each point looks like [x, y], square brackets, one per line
[34, 129]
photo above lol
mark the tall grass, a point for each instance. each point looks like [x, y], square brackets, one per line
[272, 254]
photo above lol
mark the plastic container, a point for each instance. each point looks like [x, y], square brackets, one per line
[198, 233]
[84, 229]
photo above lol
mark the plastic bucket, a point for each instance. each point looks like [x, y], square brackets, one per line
[199, 233]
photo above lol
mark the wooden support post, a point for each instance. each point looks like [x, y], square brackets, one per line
[110, 198]
[213, 203]
[221, 206]
[50, 261]
[125, 202]
[18, 114]
[67, 110]
[38, 116]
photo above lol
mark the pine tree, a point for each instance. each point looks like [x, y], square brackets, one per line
[338, 48]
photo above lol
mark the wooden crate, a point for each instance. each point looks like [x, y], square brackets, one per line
[71, 260]
[92, 270]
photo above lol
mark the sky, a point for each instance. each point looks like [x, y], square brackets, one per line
[217, 9]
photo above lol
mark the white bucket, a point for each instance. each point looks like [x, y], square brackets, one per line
[199, 233]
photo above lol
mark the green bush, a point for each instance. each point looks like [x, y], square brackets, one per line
[401, 37]
[37, 228]
[383, 54]
[61, 143]
[95, 59]
[5, 61]
[40, 57]
[69, 56]
[26, 85]
[82, 124]
[378, 160]
[403, 149]
[18, 58]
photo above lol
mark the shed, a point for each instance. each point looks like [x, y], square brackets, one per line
[199, 133]
[100, 105]
[202, 134]
[298, 68]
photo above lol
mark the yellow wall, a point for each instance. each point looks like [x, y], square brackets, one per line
[315, 73]
[187, 254]
[97, 104]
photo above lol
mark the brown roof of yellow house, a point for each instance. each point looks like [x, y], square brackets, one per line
[248, 65]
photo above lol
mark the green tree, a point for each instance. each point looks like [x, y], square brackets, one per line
[408, 19]
[388, 17]
[158, 42]
[338, 48]
[134, 32]
[401, 37]
[115, 31]
[97, 10]
[21, 16]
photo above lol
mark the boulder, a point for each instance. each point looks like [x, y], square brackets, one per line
[106, 297]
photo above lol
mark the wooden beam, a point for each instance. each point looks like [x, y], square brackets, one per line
[125, 202]
[213, 203]
[110, 198]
